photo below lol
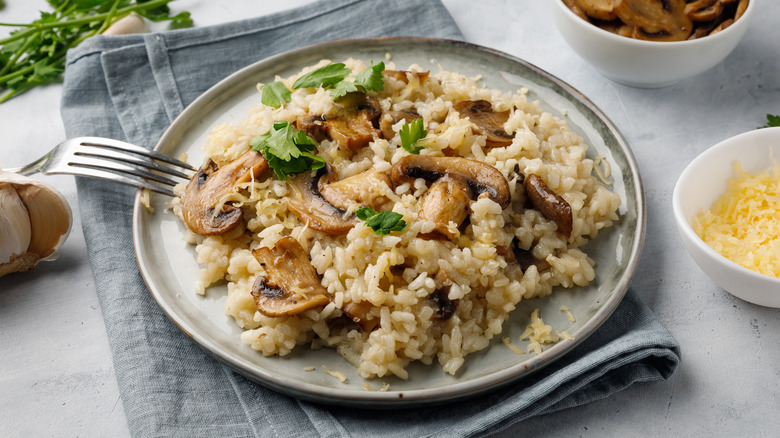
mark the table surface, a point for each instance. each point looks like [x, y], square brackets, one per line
[57, 378]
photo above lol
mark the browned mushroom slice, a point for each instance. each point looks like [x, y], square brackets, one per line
[549, 203]
[447, 200]
[352, 123]
[359, 314]
[741, 8]
[390, 118]
[489, 123]
[656, 20]
[599, 9]
[572, 4]
[403, 75]
[445, 307]
[721, 26]
[203, 209]
[366, 188]
[306, 202]
[290, 284]
[524, 258]
[480, 177]
[704, 10]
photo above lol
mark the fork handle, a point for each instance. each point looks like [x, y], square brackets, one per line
[31, 168]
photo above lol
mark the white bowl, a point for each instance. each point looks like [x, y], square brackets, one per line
[647, 64]
[705, 180]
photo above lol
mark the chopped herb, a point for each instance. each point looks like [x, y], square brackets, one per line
[771, 121]
[381, 223]
[411, 134]
[331, 77]
[371, 79]
[323, 76]
[34, 54]
[342, 89]
[275, 94]
[287, 150]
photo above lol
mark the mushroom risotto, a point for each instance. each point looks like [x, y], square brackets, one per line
[393, 215]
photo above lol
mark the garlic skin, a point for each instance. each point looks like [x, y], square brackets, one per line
[132, 23]
[35, 220]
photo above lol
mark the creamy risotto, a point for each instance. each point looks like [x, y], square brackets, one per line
[493, 209]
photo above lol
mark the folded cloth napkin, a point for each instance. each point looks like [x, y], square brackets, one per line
[131, 88]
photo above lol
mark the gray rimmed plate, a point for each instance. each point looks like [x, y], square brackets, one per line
[168, 264]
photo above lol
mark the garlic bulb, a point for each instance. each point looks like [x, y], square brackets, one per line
[35, 220]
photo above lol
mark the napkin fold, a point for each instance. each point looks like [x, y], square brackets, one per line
[131, 88]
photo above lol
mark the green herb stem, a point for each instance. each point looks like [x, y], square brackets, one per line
[19, 52]
[86, 20]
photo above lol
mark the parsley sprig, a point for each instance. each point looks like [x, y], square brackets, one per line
[411, 134]
[331, 77]
[287, 150]
[771, 121]
[34, 54]
[381, 223]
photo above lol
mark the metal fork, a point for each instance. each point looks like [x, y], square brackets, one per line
[110, 160]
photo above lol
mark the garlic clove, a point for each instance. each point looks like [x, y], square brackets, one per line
[132, 23]
[35, 220]
[14, 223]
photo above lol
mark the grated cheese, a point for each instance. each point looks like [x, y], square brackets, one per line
[538, 333]
[744, 223]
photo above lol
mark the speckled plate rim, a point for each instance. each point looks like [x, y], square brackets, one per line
[613, 276]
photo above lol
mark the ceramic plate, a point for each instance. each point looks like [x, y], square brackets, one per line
[169, 268]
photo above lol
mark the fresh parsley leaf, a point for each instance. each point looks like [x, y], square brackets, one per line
[371, 79]
[276, 94]
[323, 76]
[381, 223]
[771, 121]
[342, 89]
[287, 150]
[34, 53]
[411, 134]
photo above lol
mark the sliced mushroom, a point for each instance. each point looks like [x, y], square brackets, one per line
[352, 123]
[203, 207]
[656, 20]
[549, 203]
[447, 200]
[572, 4]
[290, 284]
[390, 118]
[481, 178]
[403, 75]
[599, 9]
[306, 202]
[704, 10]
[522, 257]
[359, 314]
[445, 307]
[366, 188]
[489, 123]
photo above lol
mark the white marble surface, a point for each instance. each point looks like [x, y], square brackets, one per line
[56, 374]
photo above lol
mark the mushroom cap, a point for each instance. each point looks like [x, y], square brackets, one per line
[549, 203]
[306, 202]
[447, 200]
[203, 207]
[656, 20]
[352, 122]
[480, 177]
[488, 122]
[290, 284]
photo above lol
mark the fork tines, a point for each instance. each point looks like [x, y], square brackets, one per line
[120, 161]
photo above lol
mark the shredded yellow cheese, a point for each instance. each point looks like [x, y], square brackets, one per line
[538, 333]
[515, 349]
[337, 374]
[744, 223]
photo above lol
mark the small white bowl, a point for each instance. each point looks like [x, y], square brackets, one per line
[647, 64]
[705, 180]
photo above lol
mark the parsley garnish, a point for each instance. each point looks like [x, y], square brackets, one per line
[323, 76]
[275, 94]
[287, 150]
[411, 134]
[371, 79]
[34, 54]
[771, 121]
[331, 77]
[381, 223]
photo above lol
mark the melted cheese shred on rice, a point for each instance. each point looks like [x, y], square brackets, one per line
[426, 293]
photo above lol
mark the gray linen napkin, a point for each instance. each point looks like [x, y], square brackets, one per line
[131, 88]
